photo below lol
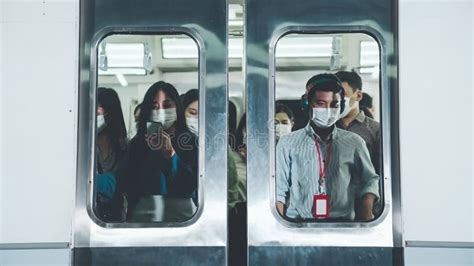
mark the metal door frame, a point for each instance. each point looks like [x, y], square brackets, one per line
[203, 238]
[272, 239]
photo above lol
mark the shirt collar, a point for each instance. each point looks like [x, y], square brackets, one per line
[310, 132]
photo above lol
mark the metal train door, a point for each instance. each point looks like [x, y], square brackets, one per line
[201, 239]
[273, 240]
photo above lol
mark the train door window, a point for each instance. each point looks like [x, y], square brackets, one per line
[146, 148]
[328, 137]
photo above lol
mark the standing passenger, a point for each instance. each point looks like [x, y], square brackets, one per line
[162, 175]
[322, 170]
[111, 147]
[283, 120]
[354, 120]
[366, 105]
[190, 104]
[301, 116]
[191, 110]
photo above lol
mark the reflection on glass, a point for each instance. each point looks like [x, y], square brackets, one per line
[147, 153]
[328, 166]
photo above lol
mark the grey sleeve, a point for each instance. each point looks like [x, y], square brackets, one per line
[369, 180]
[283, 164]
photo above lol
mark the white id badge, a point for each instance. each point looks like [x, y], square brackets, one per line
[321, 206]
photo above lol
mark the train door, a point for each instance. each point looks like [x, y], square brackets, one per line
[127, 41]
[323, 36]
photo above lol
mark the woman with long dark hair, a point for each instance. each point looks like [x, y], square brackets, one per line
[111, 147]
[162, 174]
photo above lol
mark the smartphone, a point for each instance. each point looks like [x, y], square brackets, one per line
[153, 128]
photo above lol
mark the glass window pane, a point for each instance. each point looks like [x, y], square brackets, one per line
[146, 153]
[328, 150]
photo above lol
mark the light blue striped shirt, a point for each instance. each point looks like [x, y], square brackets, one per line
[349, 174]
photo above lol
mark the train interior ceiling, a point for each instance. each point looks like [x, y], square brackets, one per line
[131, 63]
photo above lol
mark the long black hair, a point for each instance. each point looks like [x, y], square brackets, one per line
[281, 108]
[189, 97]
[147, 107]
[109, 100]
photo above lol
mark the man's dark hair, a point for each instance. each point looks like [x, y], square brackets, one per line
[325, 82]
[352, 78]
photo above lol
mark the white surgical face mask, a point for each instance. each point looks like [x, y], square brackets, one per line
[347, 107]
[166, 117]
[192, 124]
[281, 130]
[100, 123]
[325, 117]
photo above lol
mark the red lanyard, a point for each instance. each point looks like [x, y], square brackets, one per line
[322, 169]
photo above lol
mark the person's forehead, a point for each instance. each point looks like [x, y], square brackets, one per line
[193, 104]
[161, 95]
[348, 89]
[282, 116]
[346, 85]
[325, 95]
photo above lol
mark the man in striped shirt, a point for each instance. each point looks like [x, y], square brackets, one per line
[321, 161]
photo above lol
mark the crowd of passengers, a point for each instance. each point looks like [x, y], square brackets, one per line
[327, 155]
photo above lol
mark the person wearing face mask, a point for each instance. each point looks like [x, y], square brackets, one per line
[191, 110]
[162, 173]
[321, 171]
[111, 150]
[190, 102]
[283, 120]
[301, 114]
[354, 120]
